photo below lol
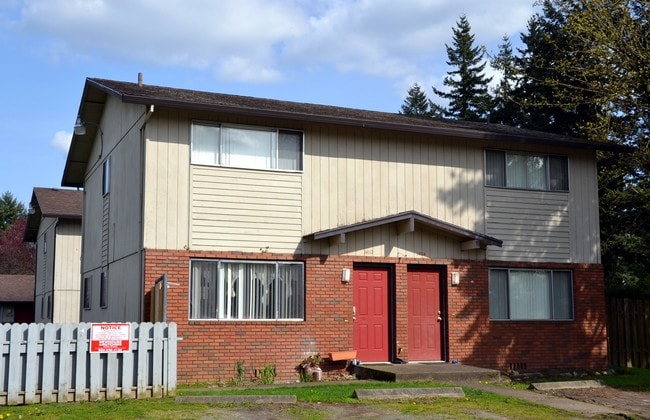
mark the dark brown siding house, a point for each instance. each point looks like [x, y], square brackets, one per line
[16, 298]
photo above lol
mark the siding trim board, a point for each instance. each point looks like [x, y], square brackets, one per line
[407, 222]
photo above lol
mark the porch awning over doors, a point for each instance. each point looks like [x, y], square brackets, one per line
[408, 221]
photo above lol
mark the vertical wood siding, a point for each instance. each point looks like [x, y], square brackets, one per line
[67, 277]
[354, 175]
[166, 194]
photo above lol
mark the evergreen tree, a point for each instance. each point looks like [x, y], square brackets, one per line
[585, 71]
[505, 109]
[468, 96]
[10, 210]
[416, 103]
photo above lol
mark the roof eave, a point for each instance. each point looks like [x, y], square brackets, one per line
[409, 219]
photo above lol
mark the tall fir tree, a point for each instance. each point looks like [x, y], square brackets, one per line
[10, 210]
[585, 71]
[468, 95]
[416, 103]
[505, 108]
[541, 86]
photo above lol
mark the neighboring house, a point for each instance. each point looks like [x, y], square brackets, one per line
[16, 298]
[54, 225]
[286, 229]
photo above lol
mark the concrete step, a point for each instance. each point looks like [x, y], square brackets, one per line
[439, 372]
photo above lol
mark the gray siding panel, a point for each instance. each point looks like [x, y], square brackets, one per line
[534, 225]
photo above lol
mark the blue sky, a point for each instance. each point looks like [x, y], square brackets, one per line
[351, 53]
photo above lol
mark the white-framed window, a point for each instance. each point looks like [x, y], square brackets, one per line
[106, 176]
[517, 294]
[103, 290]
[87, 293]
[247, 290]
[246, 147]
[526, 171]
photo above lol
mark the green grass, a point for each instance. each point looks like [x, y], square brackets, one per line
[475, 404]
[315, 397]
[629, 379]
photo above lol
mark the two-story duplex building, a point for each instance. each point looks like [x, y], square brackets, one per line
[287, 229]
[54, 226]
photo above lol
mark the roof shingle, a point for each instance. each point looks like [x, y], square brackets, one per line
[16, 287]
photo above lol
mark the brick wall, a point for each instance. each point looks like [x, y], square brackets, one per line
[210, 349]
[528, 345]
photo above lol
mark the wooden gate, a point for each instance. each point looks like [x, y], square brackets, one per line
[628, 331]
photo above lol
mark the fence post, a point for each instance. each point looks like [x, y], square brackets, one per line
[81, 355]
[15, 364]
[31, 370]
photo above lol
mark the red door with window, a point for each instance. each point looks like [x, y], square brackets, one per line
[424, 315]
[370, 314]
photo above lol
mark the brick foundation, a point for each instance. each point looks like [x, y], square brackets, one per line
[210, 349]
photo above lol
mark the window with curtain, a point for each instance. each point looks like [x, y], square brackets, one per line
[246, 147]
[247, 290]
[526, 171]
[530, 294]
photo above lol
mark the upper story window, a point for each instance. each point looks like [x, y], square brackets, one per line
[526, 171]
[246, 147]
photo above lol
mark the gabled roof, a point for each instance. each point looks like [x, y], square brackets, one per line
[407, 222]
[96, 91]
[16, 287]
[52, 202]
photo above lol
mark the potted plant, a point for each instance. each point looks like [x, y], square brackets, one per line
[310, 368]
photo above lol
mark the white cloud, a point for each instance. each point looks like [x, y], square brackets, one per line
[61, 141]
[263, 40]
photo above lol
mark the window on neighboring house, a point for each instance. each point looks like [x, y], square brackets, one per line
[42, 302]
[244, 290]
[87, 293]
[45, 243]
[531, 294]
[526, 171]
[49, 307]
[246, 147]
[103, 291]
[106, 176]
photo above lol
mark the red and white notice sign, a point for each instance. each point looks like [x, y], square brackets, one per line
[110, 338]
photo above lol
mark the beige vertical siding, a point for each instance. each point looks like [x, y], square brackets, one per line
[238, 209]
[67, 275]
[583, 209]
[166, 204]
[355, 175]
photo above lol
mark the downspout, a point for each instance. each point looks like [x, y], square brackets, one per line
[143, 160]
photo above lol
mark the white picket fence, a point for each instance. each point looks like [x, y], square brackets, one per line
[45, 363]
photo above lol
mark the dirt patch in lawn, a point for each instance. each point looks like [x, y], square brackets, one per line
[637, 403]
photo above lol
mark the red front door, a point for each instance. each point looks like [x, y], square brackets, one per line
[424, 318]
[370, 314]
